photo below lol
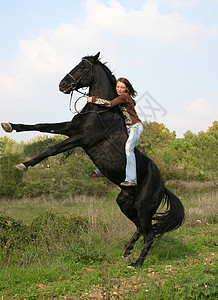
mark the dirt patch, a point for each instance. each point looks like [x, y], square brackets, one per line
[116, 289]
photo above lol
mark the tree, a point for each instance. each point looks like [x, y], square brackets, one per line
[10, 178]
[205, 154]
[6, 145]
[213, 130]
[155, 136]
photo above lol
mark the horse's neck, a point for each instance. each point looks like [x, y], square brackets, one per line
[103, 86]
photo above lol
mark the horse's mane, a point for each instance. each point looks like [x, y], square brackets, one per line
[104, 66]
[108, 71]
[112, 80]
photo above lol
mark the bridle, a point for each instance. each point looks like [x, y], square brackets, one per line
[76, 81]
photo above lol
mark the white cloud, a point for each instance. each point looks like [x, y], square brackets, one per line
[199, 107]
[145, 24]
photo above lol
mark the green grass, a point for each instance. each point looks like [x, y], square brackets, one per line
[42, 257]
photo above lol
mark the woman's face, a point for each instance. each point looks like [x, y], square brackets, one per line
[121, 88]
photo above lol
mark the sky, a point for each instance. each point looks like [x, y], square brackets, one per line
[166, 48]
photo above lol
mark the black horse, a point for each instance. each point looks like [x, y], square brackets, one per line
[101, 132]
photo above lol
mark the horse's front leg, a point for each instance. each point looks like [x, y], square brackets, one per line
[70, 143]
[56, 128]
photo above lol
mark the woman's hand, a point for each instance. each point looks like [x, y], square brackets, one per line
[89, 99]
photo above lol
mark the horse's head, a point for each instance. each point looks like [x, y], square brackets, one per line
[80, 76]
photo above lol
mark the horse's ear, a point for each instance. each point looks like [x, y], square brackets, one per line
[96, 57]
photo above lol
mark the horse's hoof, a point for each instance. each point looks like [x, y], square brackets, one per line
[7, 127]
[130, 267]
[21, 167]
[128, 257]
[133, 266]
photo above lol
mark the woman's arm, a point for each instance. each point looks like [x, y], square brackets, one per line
[116, 101]
[89, 99]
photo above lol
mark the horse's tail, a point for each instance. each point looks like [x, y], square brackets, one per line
[172, 218]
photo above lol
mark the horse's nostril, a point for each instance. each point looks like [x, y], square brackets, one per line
[62, 85]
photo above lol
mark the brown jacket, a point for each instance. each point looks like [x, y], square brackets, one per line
[126, 104]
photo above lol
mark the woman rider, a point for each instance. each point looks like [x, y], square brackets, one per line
[126, 93]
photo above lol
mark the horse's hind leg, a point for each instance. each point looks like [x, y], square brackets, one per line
[56, 128]
[148, 199]
[125, 200]
[131, 243]
[148, 241]
[146, 209]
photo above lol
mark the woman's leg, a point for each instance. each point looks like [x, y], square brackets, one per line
[134, 132]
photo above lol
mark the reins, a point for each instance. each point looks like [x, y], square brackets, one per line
[93, 111]
[86, 112]
[70, 103]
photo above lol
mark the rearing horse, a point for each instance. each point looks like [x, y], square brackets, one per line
[101, 132]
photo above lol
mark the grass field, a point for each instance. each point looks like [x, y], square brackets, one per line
[72, 249]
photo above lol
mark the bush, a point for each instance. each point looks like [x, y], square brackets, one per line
[48, 233]
[13, 234]
[58, 225]
[10, 178]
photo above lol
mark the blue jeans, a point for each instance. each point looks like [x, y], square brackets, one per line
[134, 133]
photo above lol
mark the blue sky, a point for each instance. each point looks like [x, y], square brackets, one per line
[166, 48]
